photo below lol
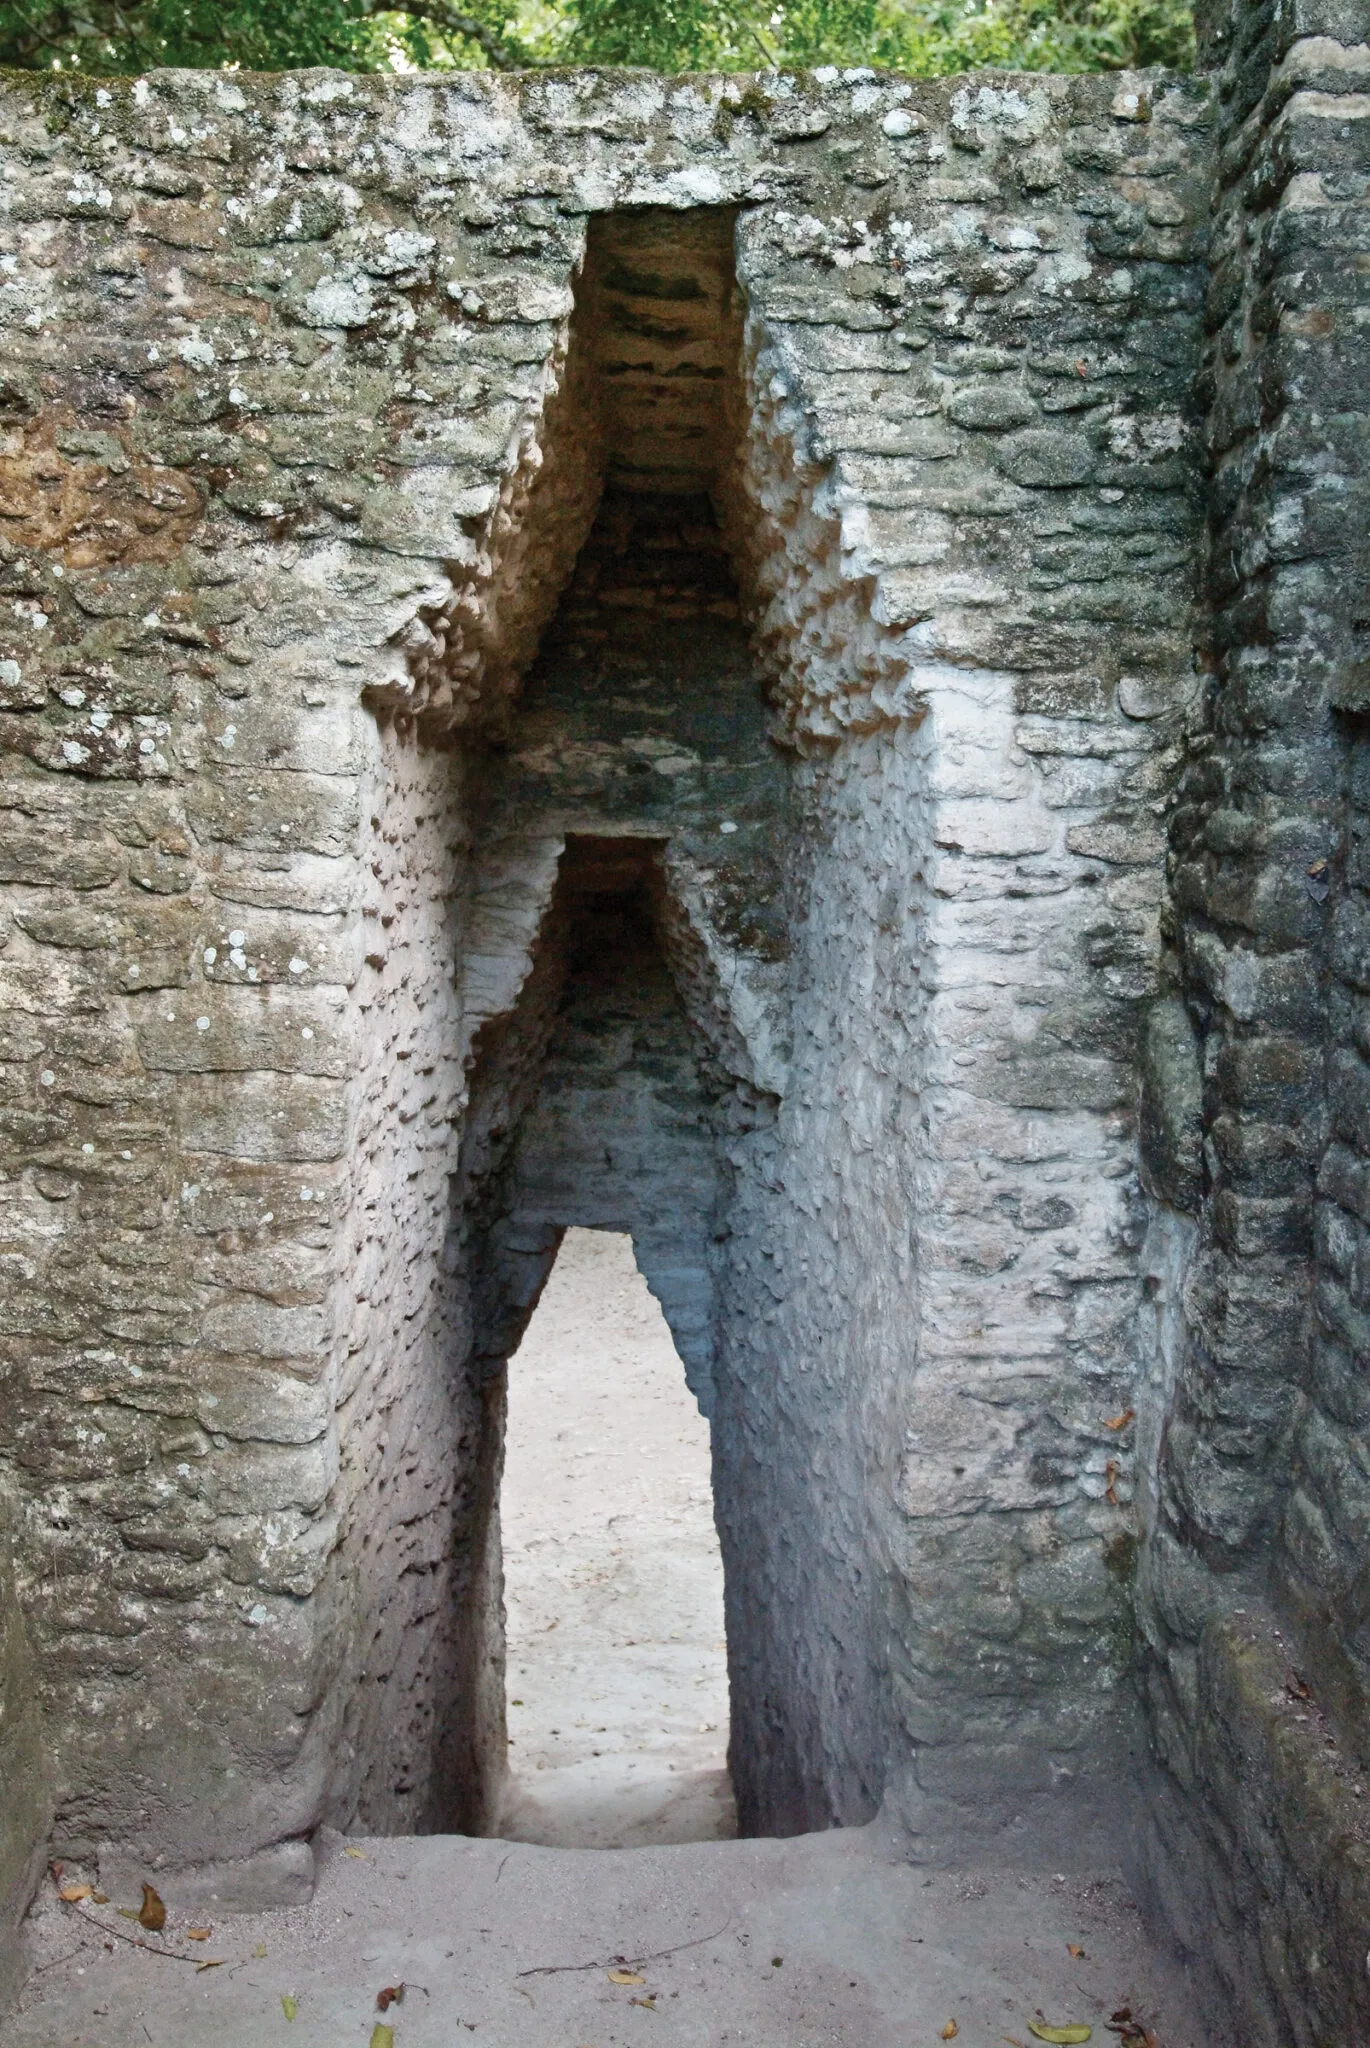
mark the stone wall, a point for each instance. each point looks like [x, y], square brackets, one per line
[605, 649]
[302, 450]
[973, 510]
[1258, 1712]
[25, 1813]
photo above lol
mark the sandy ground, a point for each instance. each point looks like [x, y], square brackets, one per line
[825, 1941]
[617, 1678]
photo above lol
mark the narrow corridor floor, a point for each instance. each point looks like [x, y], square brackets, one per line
[617, 1671]
[822, 1941]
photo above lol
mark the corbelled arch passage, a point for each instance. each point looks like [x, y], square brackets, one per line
[636, 1069]
[757, 660]
[623, 904]
[596, 1104]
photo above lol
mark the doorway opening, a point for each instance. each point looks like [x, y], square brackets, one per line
[616, 1665]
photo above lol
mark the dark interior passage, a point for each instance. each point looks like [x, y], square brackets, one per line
[613, 1126]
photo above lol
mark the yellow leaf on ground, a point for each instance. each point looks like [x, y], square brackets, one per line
[382, 2036]
[209, 1963]
[950, 2031]
[260, 1950]
[72, 1894]
[288, 2005]
[1073, 1948]
[360, 1854]
[1062, 2035]
[625, 1977]
[198, 1933]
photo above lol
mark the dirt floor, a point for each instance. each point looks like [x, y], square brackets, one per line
[618, 1688]
[825, 1941]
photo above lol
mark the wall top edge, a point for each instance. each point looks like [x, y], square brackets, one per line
[752, 93]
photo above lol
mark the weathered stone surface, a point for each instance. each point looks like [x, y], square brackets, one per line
[233, 1182]
[564, 665]
[1256, 1428]
[25, 1812]
[1172, 1106]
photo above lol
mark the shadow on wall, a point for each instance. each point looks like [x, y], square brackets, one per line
[25, 1810]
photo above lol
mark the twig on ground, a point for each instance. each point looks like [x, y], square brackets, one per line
[38, 1968]
[625, 1962]
[134, 1941]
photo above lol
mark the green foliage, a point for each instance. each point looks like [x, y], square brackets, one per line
[938, 36]
[928, 37]
[134, 35]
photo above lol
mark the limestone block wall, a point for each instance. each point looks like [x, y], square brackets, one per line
[300, 450]
[26, 1813]
[970, 501]
[1253, 1576]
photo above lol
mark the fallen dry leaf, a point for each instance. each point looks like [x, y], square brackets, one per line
[360, 1854]
[1067, 2036]
[288, 2005]
[72, 1894]
[99, 1898]
[950, 2031]
[209, 1963]
[1120, 1421]
[625, 1977]
[152, 1913]
[198, 1933]
[393, 1994]
[647, 2004]
[1111, 1471]
[1074, 1949]
[382, 2036]
[260, 1950]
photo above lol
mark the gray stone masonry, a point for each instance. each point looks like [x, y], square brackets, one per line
[1256, 1261]
[25, 1812]
[779, 663]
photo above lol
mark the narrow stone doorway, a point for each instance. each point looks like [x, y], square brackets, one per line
[616, 1668]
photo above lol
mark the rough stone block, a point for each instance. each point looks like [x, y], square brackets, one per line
[270, 1881]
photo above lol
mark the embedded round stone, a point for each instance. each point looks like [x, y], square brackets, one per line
[1046, 459]
[992, 407]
